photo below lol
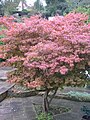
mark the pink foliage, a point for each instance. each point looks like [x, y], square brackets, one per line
[38, 47]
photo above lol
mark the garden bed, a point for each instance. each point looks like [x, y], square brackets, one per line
[76, 96]
[53, 111]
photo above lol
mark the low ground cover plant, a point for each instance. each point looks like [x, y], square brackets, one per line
[80, 96]
[43, 116]
[48, 54]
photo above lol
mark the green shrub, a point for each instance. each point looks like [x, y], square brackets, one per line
[44, 116]
[84, 9]
[81, 96]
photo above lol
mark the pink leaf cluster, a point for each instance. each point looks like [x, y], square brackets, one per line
[40, 48]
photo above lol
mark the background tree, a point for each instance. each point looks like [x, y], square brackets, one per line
[54, 5]
[83, 9]
[38, 6]
[10, 5]
[73, 4]
[1, 8]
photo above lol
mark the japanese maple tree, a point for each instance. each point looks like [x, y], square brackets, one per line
[46, 53]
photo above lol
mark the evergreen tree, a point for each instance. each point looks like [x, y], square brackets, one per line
[54, 5]
[38, 6]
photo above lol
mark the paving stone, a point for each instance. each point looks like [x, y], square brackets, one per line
[4, 86]
[5, 111]
[21, 118]
[6, 117]
[3, 74]
[16, 108]
[68, 116]
[4, 71]
[5, 68]
[26, 112]
[30, 114]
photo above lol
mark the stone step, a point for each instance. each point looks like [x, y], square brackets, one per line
[7, 69]
[3, 75]
[4, 87]
[4, 71]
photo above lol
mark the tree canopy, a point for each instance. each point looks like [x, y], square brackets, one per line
[54, 5]
[48, 54]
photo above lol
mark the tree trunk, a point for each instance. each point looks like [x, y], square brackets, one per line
[53, 95]
[45, 102]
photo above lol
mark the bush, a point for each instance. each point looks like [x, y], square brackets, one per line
[44, 116]
[47, 53]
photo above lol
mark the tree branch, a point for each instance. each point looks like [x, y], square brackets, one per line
[53, 95]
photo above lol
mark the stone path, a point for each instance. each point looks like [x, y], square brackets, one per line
[17, 109]
[22, 108]
[4, 86]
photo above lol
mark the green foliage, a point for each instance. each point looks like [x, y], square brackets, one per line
[24, 10]
[2, 60]
[80, 5]
[1, 8]
[38, 6]
[86, 110]
[1, 36]
[1, 43]
[54, 5]
[44, 116]
[78, 95]
[84, 9]
[10, 6]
